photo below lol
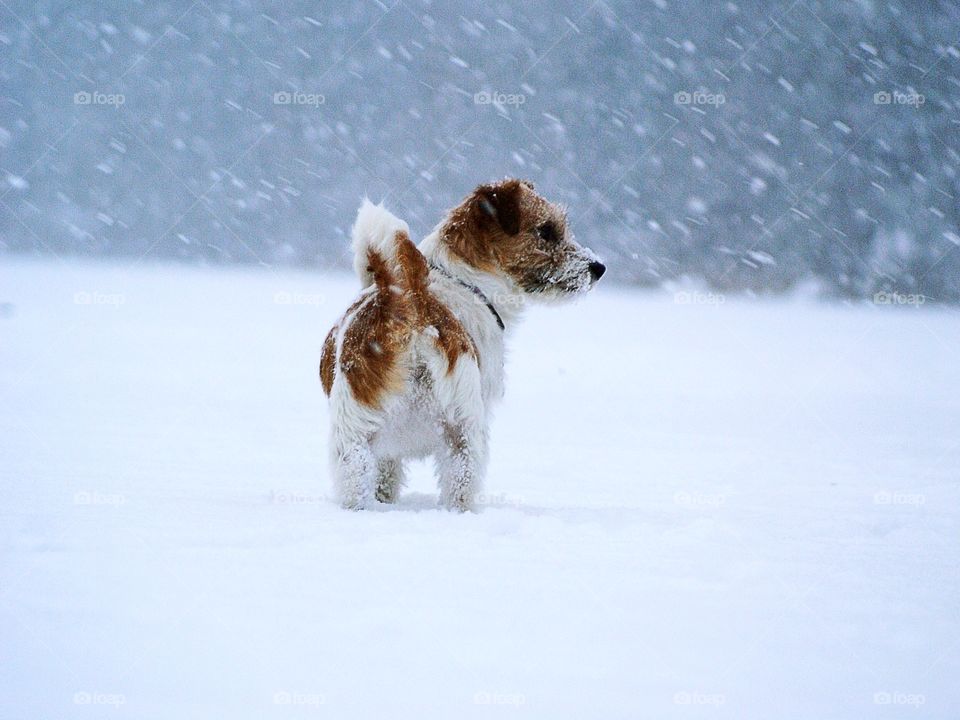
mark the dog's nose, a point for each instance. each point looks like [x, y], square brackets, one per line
[597, 269]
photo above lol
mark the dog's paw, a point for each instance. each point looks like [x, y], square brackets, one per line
[458, 503]
[357, 501]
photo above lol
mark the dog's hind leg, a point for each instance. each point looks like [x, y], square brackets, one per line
[390, 479]
[356, 475]
[461, 464]
[461, 459]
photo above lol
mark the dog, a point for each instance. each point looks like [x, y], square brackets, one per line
[413, 366]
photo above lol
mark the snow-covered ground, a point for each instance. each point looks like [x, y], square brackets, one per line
[694, 509]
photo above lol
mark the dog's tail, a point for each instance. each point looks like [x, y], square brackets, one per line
[383, 253]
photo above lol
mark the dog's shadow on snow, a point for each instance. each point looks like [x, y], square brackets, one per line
[421, 501]
[411, 502]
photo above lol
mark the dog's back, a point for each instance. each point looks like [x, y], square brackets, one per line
[371, 345]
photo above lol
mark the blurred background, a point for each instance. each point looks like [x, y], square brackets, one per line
[747, 146]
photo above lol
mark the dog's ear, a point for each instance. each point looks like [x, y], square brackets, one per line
[501, 203]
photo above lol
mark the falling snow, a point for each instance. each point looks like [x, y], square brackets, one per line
[835, 123]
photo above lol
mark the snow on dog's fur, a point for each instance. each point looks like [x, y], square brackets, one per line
[413, 366]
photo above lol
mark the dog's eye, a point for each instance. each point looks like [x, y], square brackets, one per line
[547, 232]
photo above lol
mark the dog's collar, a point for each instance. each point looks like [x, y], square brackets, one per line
[472, 288]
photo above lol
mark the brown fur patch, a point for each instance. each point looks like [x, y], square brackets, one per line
[501, 204]
[492, 211]
[452, 339]
[327, 358]
[412, 265]
[376, 339]
[329, 353]
[497, 229]
[381, 330]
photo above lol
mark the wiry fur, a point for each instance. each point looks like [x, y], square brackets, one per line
[374, 229]
[414, 365]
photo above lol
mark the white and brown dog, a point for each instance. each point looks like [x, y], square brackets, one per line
[413, 366]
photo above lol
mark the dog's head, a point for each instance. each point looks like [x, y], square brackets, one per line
[509, 229]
